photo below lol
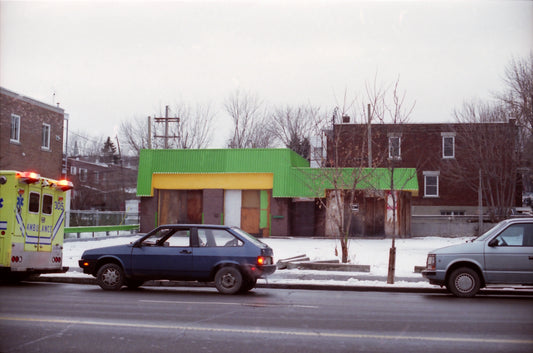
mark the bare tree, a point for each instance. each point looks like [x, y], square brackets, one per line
[388, 105]
[489, 145]
[518, 95]
[134, 134]
[83, 144]
[195, 126]
[518, 100]
[249, 120]
[293, 127]
[190, 128]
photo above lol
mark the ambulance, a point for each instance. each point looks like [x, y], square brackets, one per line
[32, 215]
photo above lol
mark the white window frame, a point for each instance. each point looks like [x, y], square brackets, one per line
[15, 128]
[45, 137]
[393, 137]
[82, 174]
[72, 170]
[431, 174]
[445, 136]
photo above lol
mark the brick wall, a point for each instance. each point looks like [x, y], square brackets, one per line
[27, 154]
[421, 148]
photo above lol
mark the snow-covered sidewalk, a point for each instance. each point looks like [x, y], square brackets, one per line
[373, 252]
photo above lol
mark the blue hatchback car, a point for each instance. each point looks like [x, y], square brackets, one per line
[227, 256]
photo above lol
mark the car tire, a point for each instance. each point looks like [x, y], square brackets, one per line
[110, 277]
[248, 284]
[228, 280]
[464, 282]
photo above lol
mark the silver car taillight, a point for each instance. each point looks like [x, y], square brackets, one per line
[431, 263]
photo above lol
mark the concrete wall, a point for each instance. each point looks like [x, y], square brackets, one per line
[446, 226]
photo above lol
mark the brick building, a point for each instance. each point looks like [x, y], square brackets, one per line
[31, 135]
[448, 159]
[102, 186]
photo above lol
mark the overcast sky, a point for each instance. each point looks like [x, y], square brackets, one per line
[111, 61]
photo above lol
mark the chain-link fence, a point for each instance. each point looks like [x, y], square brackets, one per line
[84, 218]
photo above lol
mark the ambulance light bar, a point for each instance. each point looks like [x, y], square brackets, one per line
[28, 177]
[64, 185]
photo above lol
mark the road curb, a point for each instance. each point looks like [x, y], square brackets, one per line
[295, 285]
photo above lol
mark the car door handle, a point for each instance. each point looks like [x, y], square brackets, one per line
[185, 252]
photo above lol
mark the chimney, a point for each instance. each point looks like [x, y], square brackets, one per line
[345, 119]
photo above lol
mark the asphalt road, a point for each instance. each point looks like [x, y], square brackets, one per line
[57, 317]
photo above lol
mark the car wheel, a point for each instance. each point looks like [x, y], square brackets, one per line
[248, 284]
[228, 280]
[464, 282]
[110, 277]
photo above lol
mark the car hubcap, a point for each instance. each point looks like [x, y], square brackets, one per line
[228, 280]
[464, 283]
[110, 277]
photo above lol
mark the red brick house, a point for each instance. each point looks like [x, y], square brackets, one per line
[31, 135]
[102, 186]
[449, 159]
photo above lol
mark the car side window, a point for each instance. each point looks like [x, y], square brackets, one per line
[528, 235]
[179, 238]
[512, 236]
[217, 238]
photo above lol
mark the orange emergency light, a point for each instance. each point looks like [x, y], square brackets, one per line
[64, 185]
[28, 177]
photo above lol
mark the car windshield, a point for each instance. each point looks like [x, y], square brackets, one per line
[494, 230]
[251, 238]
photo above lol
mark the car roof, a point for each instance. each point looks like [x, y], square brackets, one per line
[195, 226]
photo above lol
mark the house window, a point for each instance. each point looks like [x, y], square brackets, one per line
[96, 177]
[431, 184]
[83, 174]
[395, 147]
[448, 145]
[72, 170]
[45, 140]
[15, 128]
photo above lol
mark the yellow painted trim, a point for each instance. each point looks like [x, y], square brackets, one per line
[228, 181]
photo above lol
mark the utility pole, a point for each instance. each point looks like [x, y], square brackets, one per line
[167, 120]
[149, 132]
[369, 138]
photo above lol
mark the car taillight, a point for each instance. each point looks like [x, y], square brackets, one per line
[264, 260]
[431, 263]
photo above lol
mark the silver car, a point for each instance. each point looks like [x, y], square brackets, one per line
[503, 255]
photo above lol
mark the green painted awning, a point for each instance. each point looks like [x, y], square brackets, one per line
[292, 175]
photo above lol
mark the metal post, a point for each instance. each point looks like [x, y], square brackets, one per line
[166, 127]
[369, 138]
[149, 133]
[480, 205]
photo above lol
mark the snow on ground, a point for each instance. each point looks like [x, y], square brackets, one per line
[374, 252]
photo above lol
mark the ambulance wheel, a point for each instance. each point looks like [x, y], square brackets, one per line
[110, 277]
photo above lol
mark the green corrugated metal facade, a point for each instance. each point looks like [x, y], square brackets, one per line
[292, 175]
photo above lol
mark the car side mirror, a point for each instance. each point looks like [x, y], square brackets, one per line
[494, 242]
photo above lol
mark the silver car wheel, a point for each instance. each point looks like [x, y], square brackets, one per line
[110, 277]
[464, 282]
